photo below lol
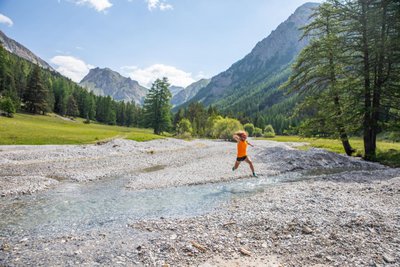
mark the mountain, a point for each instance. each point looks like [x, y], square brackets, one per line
[106, 82]
[18, 49]
[175, 89]
[189, 92]
[251, 84]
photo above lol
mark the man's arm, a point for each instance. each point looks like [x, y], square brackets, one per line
[249, 143]
[236, 137]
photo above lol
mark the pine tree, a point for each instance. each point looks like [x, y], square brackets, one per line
[36, 93]
[372, 32]
[157, 106]
[72, 107]
[319, 72]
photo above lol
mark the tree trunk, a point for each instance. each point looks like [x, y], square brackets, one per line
[339, 124]
[342, 132]
[369, 140]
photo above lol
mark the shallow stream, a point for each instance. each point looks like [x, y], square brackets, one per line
[80, 206]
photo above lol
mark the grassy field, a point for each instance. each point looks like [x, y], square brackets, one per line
[52, 129]
[388, 153]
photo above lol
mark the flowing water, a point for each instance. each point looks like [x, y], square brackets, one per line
[80, 206]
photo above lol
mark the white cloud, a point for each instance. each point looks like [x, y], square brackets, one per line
[164, 6]
[148, 75]
[72, 67]
[6, 20]
[99, 5]
[158, 4]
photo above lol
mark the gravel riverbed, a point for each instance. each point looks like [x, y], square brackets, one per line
[347, 218]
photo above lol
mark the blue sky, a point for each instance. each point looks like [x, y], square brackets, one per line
[184, 40]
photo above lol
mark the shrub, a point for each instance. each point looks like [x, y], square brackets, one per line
[184, 127]
[257, 132]
[249, 128]
[7, 106]
[269, 131]
[224, 128]
[210, 124]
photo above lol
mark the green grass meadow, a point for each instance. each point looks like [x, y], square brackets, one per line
[388, 153]
[26, 129]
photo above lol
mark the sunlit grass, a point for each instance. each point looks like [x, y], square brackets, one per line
[388, 153]
[39, 130]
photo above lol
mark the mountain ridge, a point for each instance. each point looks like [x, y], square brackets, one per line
[250, 75]
[107, 82]
[189, 92]
[20, 50]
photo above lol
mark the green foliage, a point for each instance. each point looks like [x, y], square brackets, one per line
[198, 115]
[394, 136]
[36, 93]
[249, 128]
[319, 73]
[72, 107]
[269, 131]
[257, 132]
[224, 128]
[40, 90]
[157, 107]
[7, 106]
[184, 127]
[349, 72]
[201, 119]
[210, 124]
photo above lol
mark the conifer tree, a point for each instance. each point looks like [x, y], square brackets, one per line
[36, 93]
[157, 106]
[319, 72]
[372, 31]
[72, 107]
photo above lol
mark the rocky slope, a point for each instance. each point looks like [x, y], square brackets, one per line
[255, 77]
[21, 51]
[189, 92]
[106, 82]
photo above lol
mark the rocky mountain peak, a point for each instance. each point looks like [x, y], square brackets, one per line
[106, 82]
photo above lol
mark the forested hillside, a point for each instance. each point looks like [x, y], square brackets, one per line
[249, 89]
[25, 86]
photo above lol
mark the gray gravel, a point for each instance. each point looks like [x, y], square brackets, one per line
[350, 218]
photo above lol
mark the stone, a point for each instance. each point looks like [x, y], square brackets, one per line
[388, 258]
[307, 230]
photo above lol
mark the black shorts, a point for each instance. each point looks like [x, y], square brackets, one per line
[241, 158]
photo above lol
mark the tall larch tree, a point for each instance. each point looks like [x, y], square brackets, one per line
[157, 106]
[319, 72]
[36, 93]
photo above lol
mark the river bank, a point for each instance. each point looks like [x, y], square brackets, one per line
[348, 217]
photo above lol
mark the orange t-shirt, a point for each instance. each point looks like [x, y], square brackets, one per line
[241, 149]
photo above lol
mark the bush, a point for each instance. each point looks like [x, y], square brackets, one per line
[184, 127]
[269, 131]
[224, 128]
[394, 136]
[7, 106]
[249, 128]
[210, 124]
[257, 132]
